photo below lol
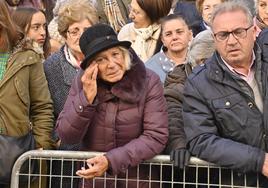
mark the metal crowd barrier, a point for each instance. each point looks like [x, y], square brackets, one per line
[56, 169]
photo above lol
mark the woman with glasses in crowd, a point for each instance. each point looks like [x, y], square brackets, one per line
[144, 30]
[33, 23]
[62, 66]
[112, 12]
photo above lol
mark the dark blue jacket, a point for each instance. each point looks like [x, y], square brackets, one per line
[262, 40]
[222, 122]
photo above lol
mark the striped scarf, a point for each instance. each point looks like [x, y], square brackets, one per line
[114, 15]
[3, 62]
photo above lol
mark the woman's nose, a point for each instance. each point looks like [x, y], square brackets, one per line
[131, 16]
[111, 63]
[43, 31]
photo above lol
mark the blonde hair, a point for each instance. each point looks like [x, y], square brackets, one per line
[75, 11]
[127, 57]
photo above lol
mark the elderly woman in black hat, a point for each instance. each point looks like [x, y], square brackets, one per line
[116, 106]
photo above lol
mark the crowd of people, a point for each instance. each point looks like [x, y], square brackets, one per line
[138, 78]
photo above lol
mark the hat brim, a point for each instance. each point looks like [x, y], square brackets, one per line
[101, 47]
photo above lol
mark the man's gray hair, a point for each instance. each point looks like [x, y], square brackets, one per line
[251, 4]
[231, 6]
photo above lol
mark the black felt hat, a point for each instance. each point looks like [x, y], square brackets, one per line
[98, 38]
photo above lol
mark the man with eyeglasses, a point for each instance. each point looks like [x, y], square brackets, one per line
[225, 106]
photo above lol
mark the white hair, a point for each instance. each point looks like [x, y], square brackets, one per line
[127, 57]
[201, 48]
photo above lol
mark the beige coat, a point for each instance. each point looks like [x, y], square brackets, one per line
[128, 33]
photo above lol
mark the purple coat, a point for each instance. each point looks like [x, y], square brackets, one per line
[128, 121]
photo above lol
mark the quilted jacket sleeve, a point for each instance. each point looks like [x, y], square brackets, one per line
[155, 130]
[173, 91]
[76, 116]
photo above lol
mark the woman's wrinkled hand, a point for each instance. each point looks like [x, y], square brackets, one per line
[89, 81]
[97, 166]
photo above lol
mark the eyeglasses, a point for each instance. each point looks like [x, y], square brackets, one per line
[237, 33]
[134, 11]
[74, 33]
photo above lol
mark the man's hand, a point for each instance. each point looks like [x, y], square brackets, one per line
[89, 81]
[265, 166]
[180, 157]
[97, 167]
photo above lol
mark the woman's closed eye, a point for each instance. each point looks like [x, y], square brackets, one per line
[167, 34]
[100, 60]
[116, 55]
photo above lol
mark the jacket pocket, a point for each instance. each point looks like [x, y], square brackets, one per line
[22, 91]
[230, 112]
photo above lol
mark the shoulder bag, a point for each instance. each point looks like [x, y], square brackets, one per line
[10, 149]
